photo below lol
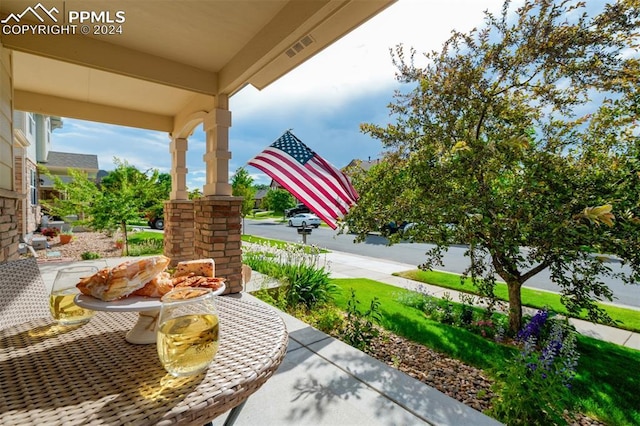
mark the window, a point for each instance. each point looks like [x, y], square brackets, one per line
[33, 188]
[32, 123]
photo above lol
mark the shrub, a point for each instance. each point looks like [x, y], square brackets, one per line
[88, 255]
[146, 247]
[419, 299]
[445, 309]
[329, 319]
[534, 386]
[305, 279]
[360, 330]
[326, 318]
[466, 310]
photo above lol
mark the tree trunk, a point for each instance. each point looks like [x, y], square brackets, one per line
[126, 238]
[515, 307]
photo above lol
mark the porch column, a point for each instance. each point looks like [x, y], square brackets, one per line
[217, 213]
[178, 149]
[216, 126]
[178, 211]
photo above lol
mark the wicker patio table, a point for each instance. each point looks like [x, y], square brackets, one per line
[90, 374]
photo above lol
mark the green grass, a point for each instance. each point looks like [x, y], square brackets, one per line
[135, 237]
[268, 214]
[271, 242]
[607, 383]
[145, 243]
[627, 319]
[412, 324]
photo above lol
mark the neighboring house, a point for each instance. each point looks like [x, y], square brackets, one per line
[58, 163]
[31, 141]
[363, 164]
[257, 199]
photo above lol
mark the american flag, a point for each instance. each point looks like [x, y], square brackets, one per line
[308, 177]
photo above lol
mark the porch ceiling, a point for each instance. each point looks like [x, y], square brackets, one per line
[172, 58]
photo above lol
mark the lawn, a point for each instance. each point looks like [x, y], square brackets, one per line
[606, 385]
[277, 243]
[627, 319]
[145, 243]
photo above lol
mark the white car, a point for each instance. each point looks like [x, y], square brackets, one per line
[304, 219]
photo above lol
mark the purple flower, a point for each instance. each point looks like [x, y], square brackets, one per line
[534, 326]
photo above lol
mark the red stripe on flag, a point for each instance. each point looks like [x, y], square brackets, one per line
[298, 188]
[300, 195]
[326, 190]
[285, 164]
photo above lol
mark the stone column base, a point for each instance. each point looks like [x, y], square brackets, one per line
[217, 236]
[179, 230]
[9, 236]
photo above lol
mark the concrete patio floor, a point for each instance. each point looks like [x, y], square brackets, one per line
[323, 381]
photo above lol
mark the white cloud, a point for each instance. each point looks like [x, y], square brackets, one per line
[361, 60]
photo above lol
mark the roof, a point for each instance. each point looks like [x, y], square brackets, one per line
[68, 160]
[163, 60]
[260, 194]
[46, 182]
[363, 164]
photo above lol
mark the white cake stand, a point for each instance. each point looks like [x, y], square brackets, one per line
[148, 308]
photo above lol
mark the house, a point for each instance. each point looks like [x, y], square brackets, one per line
[259, 197]
[58, 163]
[32, 142]
[363, 164]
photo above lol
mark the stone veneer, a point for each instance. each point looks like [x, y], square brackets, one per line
[9, 236]
[179, 230]
[218, 227]
[208, 227]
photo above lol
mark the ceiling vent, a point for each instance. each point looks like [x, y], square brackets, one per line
[299, 46]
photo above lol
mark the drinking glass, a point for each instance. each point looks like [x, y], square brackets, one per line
[187, 331]
[63, 292]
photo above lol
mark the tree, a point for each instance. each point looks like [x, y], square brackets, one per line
[241, 186]
[278, 200]
[151, 187]
[194, 194]
[75, 197]
[519, 139]
[124, 192]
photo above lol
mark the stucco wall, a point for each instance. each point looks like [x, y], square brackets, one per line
[9, 198]
[6, 120]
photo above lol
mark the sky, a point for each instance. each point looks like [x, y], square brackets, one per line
[323, 101]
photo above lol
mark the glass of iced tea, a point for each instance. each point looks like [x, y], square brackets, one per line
[63, 292]
[187, 331]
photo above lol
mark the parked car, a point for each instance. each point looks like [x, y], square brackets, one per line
[157, 223]
[303, 220]
[393, 227]
[300, 208]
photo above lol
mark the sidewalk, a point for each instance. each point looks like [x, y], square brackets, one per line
[344, 265]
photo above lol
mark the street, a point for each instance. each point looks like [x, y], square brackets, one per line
[413, 254]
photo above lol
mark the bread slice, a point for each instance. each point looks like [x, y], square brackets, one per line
[160, 285]
[124, 279]
[199, 267]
